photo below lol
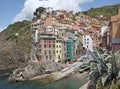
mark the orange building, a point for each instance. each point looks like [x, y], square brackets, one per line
[116, 31]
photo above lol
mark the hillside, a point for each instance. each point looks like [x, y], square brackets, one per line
[15, 50]
[106, 11]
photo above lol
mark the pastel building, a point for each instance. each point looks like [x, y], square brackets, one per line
[70, 49]
[64, 49]
[46, 48]
[87, 42]
[58, 49]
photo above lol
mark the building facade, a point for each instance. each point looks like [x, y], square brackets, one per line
[115, 20]
[47, 48]
[87, 42]
[58, 49]
[105, 37]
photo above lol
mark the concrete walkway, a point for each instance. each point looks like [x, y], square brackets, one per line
[85, 85]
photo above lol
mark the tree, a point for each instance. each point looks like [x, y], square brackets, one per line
[39, 11]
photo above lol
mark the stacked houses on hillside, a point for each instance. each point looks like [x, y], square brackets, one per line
[61, 35]
[54, 39]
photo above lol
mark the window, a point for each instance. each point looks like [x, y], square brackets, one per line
[49, 51]
[53, 51]
[49, 46]
[64, 48]
[87, 42]
[87, 39]
[57, 51]
[50, 57]
[45, 46]
[46, 57]
[40, 50]
[53, 45]
[60, 51]
[44, 41]
[59, 46]
[64, 55]
[59, 56]
[40, 46]
[44, 51]
[62, 34]
[87, 46]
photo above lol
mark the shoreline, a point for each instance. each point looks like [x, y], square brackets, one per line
[82, 77]
[68, 82]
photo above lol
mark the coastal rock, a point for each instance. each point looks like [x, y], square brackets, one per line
[12, 56]
[34, 69]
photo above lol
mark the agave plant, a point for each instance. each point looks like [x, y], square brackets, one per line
[106, 67]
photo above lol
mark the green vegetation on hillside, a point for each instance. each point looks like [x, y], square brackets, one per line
[15, 49]
[107, 11]
[19, 27]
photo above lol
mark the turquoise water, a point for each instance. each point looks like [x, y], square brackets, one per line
[66, 83]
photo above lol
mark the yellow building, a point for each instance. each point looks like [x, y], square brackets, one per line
[58, 48]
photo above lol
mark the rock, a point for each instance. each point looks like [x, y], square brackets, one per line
[34, 69]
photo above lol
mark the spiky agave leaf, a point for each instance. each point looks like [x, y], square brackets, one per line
[117, 58]
[99, 83]
[104, 78]
[93, 74]
[99, 67]
[109, 71]
[118, 52]
[118, 75]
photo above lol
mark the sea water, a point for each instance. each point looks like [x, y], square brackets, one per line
[65, 83]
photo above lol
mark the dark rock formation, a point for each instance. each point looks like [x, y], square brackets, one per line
[35, 69]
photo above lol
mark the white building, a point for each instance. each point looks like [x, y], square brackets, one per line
[87, 42]
[103, 30]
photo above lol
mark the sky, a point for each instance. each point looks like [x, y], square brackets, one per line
[12, 11]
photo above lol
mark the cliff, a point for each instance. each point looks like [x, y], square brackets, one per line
[15, 45]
